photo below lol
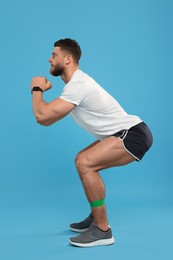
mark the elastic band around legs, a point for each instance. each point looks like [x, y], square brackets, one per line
[97, 203]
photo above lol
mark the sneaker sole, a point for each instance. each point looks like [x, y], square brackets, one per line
[78, 230]
[101, 242]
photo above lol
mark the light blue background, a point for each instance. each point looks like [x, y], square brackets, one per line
[127, 48]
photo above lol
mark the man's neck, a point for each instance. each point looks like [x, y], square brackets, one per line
[68, 73]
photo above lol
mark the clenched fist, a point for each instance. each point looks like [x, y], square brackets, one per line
[41, 82]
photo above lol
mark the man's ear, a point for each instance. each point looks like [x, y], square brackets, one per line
[68, 59]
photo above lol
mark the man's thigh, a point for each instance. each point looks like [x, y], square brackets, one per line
[107, 153]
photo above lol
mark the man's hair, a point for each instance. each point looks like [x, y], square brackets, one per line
[70, 46]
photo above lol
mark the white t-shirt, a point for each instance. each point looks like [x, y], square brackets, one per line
[96, 110]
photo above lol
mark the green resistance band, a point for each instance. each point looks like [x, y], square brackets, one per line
[97, 203]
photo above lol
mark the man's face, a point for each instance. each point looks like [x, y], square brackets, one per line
[57, 62]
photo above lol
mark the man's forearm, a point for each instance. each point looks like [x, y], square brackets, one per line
[38, 105]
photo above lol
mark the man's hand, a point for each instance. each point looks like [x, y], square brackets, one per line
[41, 82]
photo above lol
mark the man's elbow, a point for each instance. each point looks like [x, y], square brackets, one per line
[42, 121]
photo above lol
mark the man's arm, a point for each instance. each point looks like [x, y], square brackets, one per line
[48, 113]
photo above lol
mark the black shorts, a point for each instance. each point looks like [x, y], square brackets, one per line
[137, 140]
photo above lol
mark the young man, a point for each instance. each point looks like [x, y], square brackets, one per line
[121, 138]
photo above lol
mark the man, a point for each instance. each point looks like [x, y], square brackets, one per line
[121, 138]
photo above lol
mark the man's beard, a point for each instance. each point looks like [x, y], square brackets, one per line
[56, 70]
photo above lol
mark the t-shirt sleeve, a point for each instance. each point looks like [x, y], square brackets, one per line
[74, 92]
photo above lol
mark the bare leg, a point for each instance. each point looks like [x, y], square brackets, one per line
[100, 155]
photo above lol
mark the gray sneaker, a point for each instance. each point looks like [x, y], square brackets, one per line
[93, 237]
[83, 225]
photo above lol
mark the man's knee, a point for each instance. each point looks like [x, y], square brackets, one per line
[82, 163]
